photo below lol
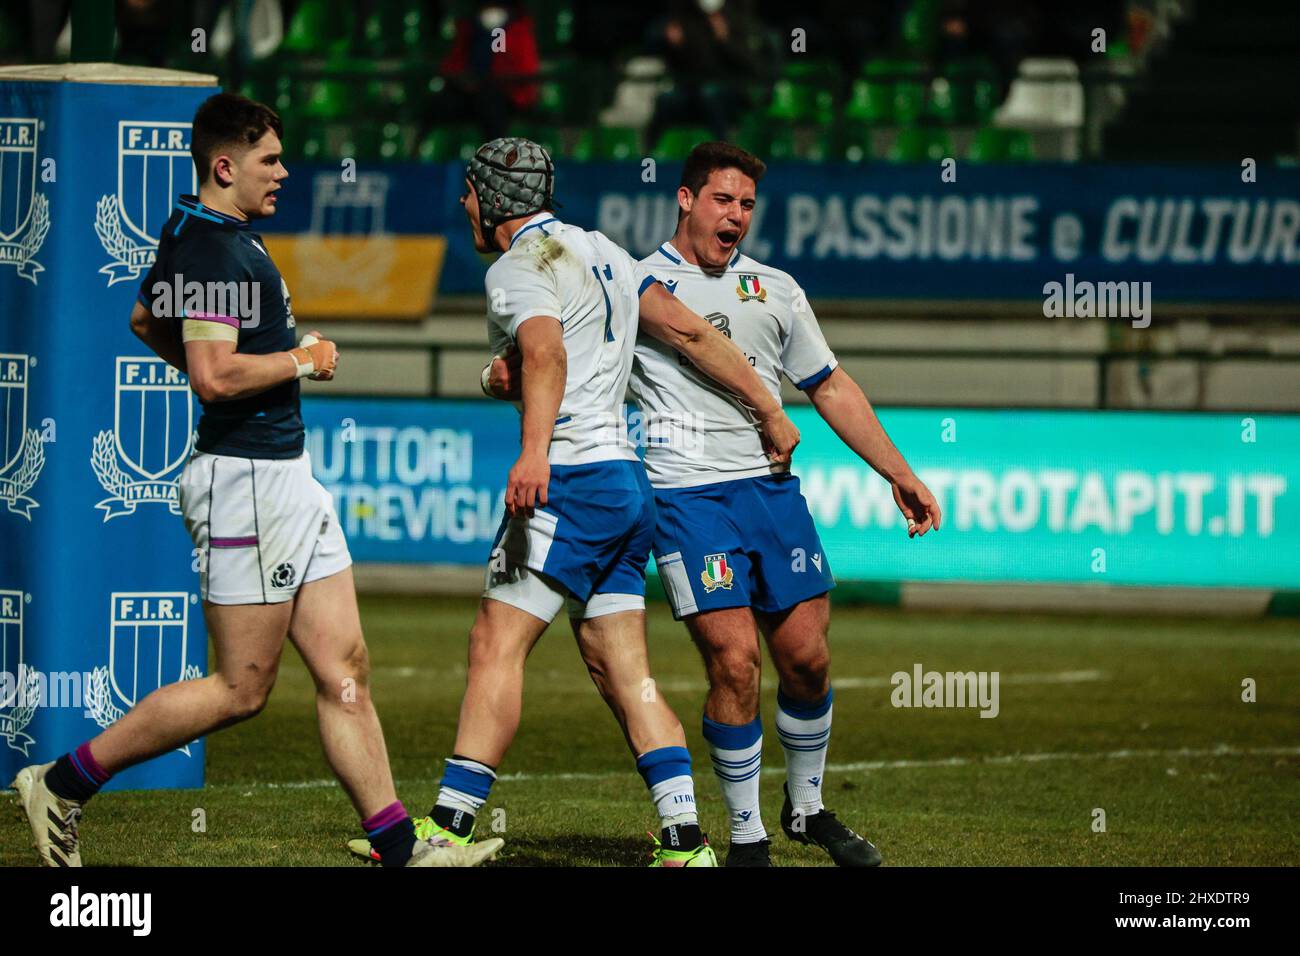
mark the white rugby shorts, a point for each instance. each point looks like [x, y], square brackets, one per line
[264, 527]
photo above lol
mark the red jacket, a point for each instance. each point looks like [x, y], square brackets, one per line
[519, 59]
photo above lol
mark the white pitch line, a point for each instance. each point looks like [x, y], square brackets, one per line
[581, 683]
[1220, 750]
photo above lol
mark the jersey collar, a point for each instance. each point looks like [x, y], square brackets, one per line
[669, 252]
[537, 222]
[190, 205]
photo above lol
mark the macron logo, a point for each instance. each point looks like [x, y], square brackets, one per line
[817, 560]
[103, 909]
[671, 286]
[259, 248]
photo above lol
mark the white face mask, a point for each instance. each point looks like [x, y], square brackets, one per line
[710, 7]
[493, 17]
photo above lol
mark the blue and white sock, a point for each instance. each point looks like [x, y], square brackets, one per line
[667, 773]
[464, 789]
[737, 753]
[805, 732]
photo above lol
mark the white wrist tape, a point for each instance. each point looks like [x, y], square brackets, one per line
[483, 379]
[310, 367]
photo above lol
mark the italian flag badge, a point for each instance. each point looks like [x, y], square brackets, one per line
[750, 289]
[716, 574]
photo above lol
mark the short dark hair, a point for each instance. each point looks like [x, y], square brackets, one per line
[707, 157]
[228, 119]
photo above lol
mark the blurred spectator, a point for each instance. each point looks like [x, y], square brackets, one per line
[713, 49]
[491, 77]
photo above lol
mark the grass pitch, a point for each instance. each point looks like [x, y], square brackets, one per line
[1139, 717]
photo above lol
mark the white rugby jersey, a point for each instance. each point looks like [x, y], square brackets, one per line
[696, 432]
[592, 286]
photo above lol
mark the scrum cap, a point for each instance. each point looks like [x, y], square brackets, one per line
[512, 177]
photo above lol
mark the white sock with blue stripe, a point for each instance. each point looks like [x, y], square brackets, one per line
[737, 752]
[805, 732]
[667, 774]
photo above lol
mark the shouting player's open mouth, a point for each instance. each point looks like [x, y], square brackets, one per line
[727, 238]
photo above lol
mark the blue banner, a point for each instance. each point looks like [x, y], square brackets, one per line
[1196, 233]
[1044, 496]
[414, 480]
[98, 581]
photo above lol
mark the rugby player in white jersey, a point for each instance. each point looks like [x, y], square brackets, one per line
[275, 560]
[735, 544]
[580, 513]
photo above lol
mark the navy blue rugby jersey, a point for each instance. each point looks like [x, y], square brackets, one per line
[201, 245]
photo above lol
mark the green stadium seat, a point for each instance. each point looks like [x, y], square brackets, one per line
[919, 27]
[1020, 146]
[909, 102]
[392, 142]
[942, 106]
[448, 143]
[604, 143]
[900, 81]
[993, 145]
[792, 102]
[330, 99]
[677, 141]
[870, 101]
[916, 145]
[319, 27]
[974, 89]
[988, 145]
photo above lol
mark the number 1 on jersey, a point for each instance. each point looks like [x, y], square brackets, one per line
[609, 310]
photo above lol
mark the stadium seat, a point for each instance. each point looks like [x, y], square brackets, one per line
[974, 89]
[1046, 95]
[319, 27]
[634, 97]
[677, 141]
[330, 99]
[607, 142]
[448, 143]
[792, 102]
[994, 145]
[870, 101]
[916, 145]
[942, 105]
[392, 143]
[1020, 146]
[919, 27]
[903, 83]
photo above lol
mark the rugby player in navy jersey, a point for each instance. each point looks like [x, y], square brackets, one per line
[275, 563]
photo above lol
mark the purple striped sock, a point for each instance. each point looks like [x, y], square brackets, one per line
[385, 818]
[88, 766]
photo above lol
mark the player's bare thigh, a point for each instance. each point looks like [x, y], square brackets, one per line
[797, 640]
[727, 640]
[246, 641]
[326, 630]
